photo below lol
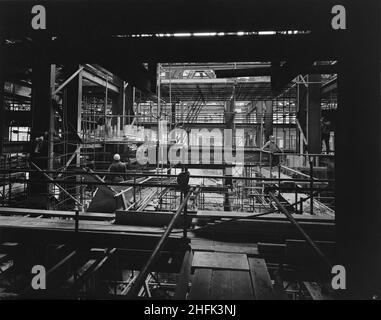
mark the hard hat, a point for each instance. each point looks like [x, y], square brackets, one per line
[116, 157]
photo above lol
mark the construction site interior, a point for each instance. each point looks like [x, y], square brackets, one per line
[253, 223]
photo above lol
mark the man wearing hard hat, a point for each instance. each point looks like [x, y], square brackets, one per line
[116, 167]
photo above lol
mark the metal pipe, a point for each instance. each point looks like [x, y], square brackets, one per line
[311, 186]
[153, 185]
[185, 215]
[169, 176]
[139, 282]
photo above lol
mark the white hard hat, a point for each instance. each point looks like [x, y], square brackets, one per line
[116, 157]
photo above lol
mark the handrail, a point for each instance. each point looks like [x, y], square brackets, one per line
[156, 252]
[152, 185]
[3, 171]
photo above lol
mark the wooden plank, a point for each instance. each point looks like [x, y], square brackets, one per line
[55, 213]
[183, 284]
[200, 289]
[222, 246]
[202, 245]
[241, 285]
[12, 231]
[270, 216]
[105, 226]
[260, 278]
[233, 248]
[315, 291]
[221, 288]
[220, 260]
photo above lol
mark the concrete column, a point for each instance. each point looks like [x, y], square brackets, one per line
[358, 153]
[314, 114]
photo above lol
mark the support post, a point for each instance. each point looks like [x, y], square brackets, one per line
[259, 129]
[268, 119]
[173, 114]
[129, 103]
[229, 118]
[314, 114]
[42, 119]
[302, 95]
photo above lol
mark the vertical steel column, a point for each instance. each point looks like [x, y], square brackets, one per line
[42, 114]
[314, 114]
[301, 115]
[129, 103]
[268, 119]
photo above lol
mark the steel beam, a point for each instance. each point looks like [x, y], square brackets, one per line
[99, 81]
[266, 71]
[174, 49]
[268, 119]
[42, 115]
[314, 114]
[125, 17]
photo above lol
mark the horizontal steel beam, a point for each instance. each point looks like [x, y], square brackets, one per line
[99, 81]
[189, 49]
[120, 17]
[267, 71]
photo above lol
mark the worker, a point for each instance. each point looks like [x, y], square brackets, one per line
[41, 143]
[183, 180]
[117, 166]
[273, 148]
[325, 133]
